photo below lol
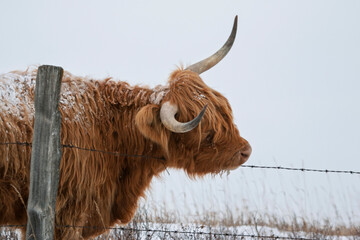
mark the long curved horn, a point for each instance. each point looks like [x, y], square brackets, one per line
[211, 61]
[167, 116]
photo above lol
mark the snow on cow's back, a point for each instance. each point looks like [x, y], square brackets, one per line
[17, 90]
[73, 90]
[16, 94]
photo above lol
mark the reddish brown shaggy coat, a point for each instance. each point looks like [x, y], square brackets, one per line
[112, 116]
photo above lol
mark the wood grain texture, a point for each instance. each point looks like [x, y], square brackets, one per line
[46, 154]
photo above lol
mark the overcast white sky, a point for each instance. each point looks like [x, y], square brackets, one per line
[292, 78]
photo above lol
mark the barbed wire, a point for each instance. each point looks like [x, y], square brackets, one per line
[163, 159]
[301, 169]
[190, 232]
[253, 236]
[16, 143]
[111, 153]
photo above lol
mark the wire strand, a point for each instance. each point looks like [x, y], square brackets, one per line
[172, 231]
[301, 169]
[111, 153]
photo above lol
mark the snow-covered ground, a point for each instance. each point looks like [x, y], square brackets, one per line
[158, 231]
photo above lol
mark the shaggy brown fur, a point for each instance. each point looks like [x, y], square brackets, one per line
[112, 116]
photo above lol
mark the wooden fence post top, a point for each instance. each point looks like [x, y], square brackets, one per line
[45, 88]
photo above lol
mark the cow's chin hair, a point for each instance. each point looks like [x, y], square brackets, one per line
[216, 172]
[213, 163]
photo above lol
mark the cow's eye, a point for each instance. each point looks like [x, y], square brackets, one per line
[210, 137]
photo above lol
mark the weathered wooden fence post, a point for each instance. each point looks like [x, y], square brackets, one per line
[45, 155]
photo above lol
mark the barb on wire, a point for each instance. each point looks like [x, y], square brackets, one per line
[161, 158]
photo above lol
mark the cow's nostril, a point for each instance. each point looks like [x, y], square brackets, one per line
[246, 152]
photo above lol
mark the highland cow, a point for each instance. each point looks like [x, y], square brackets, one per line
[184, 125]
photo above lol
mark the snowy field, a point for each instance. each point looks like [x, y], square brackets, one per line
[182, 231]
[156, 231]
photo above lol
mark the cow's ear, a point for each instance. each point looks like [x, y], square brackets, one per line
[149, 124]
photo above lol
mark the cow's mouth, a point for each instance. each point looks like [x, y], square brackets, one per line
[240, 157]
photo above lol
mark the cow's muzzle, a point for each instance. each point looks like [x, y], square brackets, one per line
[241, 156]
